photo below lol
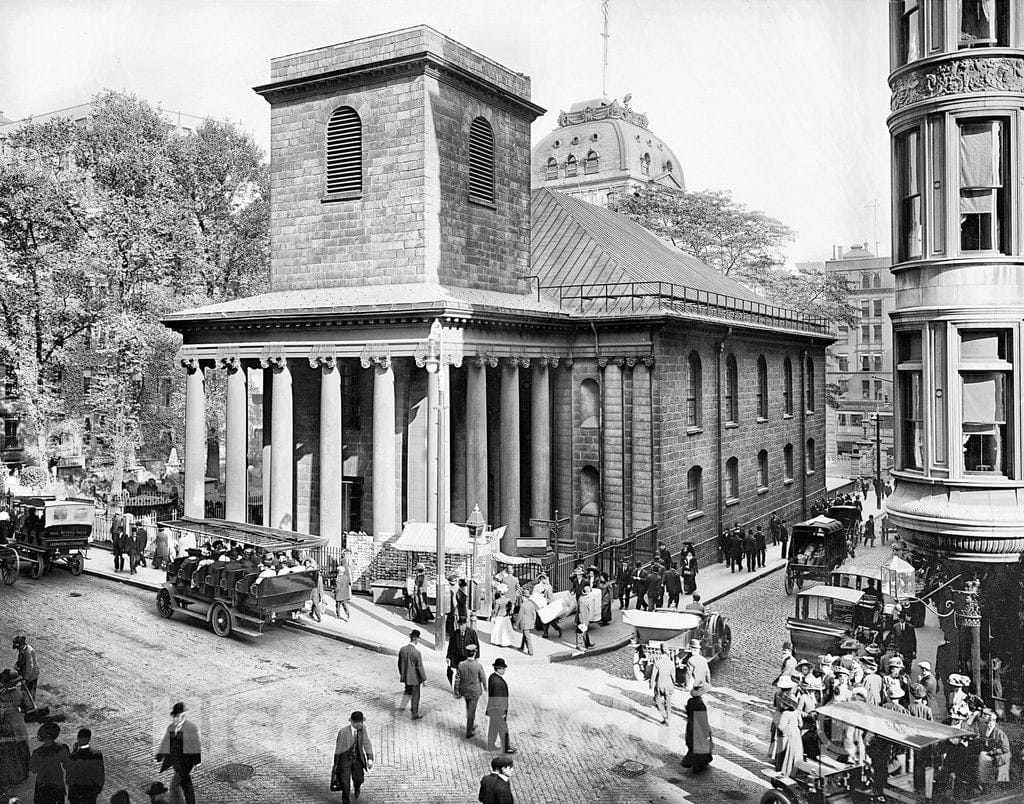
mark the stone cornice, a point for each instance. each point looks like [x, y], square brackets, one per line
[613, 110]
[977, 73]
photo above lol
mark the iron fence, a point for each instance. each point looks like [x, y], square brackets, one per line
[641, 545]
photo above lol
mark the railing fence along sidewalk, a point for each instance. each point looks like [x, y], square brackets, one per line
[639, 546]
[616, 296]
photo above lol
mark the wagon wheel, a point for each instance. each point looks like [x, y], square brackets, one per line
[789, 584]
[36, 570]
[10, 568]
[220, 620]
[76, 563]
[164, 605]
[725, 645]
[776, 796]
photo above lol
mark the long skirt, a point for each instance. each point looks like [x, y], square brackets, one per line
[689, 584]
[698, 735]
[790, 746]
[14, 759]
[504, 635]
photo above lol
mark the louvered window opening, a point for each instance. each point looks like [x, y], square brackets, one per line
[481, 162]
[345, 152]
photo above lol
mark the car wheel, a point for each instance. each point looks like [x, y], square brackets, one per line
[777, 797]
[76, 563]
[725, 646]
[164, 605]
[789, 584]
[220, 620]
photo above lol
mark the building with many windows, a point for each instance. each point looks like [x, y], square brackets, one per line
[860, 362]
[957, 127]
[522, 351]
[600, 150]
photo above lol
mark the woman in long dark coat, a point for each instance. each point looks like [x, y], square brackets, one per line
[688, 569]
[606, 599]
[14, 753]
[698, 731]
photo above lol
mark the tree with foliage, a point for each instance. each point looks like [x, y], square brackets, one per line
[741, 243]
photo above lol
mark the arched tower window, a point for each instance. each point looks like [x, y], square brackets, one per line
[345, 152]
[589, 403]
[481, 162]
[645, 164]
[732, 479]
[787, 462]
[811, 459]
[762, 469]
[591, 165]
[694, 489]
[732, 413]
[590, 486]
[570, 166]
[668, 166]
[551, 170]
[694, 385]
[762, 387]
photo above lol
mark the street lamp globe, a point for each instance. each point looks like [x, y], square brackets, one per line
[898, 579]
[476, 524]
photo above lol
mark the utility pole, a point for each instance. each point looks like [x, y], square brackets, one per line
[604, 62]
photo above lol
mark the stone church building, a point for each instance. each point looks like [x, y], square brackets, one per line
[577, 362]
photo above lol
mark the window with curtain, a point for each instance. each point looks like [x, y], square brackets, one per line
[570, 166]
[844, 363]
[986, 375]
[787, 462]
[865, 362]
[983, 198]
[844, 387]
[590, 488]
[983, 23]
[762, 387]
[345, 152]
[908, 189]
[865, 309]
[732, 479]
[694, 380]
[551, 169]
[876, 308]
[865, 281]
[731, 402]
[589, 403]
[592, 162]
[810, 386]
[811, 457]
[911, 34]
[695, 489]
[481, 162]
[787, 384]
[909, 400]
[762, 469]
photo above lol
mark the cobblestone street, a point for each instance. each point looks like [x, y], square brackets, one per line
[269, 709]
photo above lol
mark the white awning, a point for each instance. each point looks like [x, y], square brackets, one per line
[421, 537]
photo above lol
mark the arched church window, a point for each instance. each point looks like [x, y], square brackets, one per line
[551, 171]
[570, 166]
[591, 165]
[645, 164]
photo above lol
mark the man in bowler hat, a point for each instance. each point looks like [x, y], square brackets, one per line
[353, 754]
[497, 707]
[411, 673]
[180, 750]
[496, 787]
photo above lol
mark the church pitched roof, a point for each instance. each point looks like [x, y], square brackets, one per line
[576, 243]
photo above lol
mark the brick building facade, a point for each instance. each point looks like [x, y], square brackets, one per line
[527, 353]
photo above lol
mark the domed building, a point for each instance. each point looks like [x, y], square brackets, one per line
[602, 148]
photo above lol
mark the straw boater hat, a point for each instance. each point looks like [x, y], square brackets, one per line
[895, 661]
[869, 663]
[695, 644]
[957, 680]
[803, 663]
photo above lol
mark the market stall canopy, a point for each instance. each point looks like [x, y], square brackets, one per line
[421, 537]
[905, 730]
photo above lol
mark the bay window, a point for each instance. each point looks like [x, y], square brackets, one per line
[983, 196]
[985, 379]
[910, 32]
[909, 379]
[908, 188]
[983, 23]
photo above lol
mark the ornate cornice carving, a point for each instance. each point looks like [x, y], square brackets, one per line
[278, 362]
[376, 354]
[481, 361]
[517, 362]
[550, 361]
[604, 362]
[958, 77]
[613, 110]
[323, 357]
[231, 363]
[191, 364]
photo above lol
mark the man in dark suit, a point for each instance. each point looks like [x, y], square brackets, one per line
[353, 754]
[180, 749]
[411, 673]
[762, 546]
[496, 787]
[673, 586]
[655, 590]
[750, 551]
[461, 638]
[85, 774]
[469, 685]
[526, 621]
[624, 582]
[117, 541]
[497, 708]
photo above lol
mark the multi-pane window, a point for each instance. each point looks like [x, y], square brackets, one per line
[12, 435]
[787, 387]
[865, 332]
[694, 489]
[880, 393]
[865, 281]
[986, 375]
[732, 479]
[10, 381]
[551, 169]
[762, 388]
[983, 23]
[592, 163]
[911, 410]
[983, 196]
[876, 333]
[908, 189]
[865, 389]
[865, 309]
[345, 152]
[844, 387]
[911, 34]
[810, 456]
[88, 381]
[481, 162]
[809, 390]
[762, 469]
[731, 390]
[787, 462]
[876, 362]
[876, 308]
[570, 166]
[844, 362]
[693, 390]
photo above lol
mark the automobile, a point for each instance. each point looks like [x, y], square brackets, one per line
[672, 630]
[48, 531]
[229, 596]
[851, 517]
[832, 779]
[827, 615]
[816, 548]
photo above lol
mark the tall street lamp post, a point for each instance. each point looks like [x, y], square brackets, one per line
[476, 527]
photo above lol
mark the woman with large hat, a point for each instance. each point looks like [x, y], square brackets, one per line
[14, 753]
[698, 731]
[49, 762]
[789, 748]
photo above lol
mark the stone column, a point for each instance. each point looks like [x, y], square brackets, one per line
[236, 433]
[540, 445]
[282, 444]
[476, 433]
[611, 471]
[510, 487]
[331, 526]
[195, 439]
[383, 439]
[433, 490]
[265, 455]
[642, 467]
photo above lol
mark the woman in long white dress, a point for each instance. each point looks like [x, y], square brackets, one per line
[503, 634]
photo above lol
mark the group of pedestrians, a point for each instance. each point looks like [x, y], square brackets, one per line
[131, 542]
[660, 584]
[748, 547]
[665, 671]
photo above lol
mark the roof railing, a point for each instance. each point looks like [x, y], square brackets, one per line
[617, 297]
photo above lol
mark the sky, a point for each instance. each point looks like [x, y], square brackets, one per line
[781, 102]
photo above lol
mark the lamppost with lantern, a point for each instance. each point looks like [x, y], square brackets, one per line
[477, 527]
